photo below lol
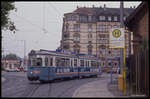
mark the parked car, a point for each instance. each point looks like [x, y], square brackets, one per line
[12, 70]
[21, 68]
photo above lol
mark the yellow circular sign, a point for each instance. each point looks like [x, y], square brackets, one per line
[116, 33]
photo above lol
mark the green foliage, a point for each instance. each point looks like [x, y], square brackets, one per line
[6, 24]
[143, 45]
[11, 56]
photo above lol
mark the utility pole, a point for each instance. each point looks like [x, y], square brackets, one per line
[24, 51]
[121, 26]
[122, 50]
[24, 43]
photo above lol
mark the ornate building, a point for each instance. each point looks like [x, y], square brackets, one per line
[86, 30]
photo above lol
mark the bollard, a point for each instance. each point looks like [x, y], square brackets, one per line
[120, 82]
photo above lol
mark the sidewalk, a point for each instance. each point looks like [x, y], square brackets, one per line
[97, 88]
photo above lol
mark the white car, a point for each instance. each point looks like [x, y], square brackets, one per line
[12, 70]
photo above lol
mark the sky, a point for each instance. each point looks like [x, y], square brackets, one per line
[39, 24]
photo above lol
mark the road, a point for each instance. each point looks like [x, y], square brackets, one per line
[17, 85]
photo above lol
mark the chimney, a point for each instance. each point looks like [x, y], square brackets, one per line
[104, 6]
[93, 6]
[130, 6]
[77, 6]
[84, 6]
[134, 7]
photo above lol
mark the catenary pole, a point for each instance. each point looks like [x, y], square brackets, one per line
[122, 50]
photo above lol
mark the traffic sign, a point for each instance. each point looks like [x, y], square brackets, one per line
[116, 38]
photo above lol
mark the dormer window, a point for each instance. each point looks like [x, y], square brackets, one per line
[90, 18]
[109, 18]
[115, 18]
[101, 18]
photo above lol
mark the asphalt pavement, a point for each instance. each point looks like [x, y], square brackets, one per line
[85, 87]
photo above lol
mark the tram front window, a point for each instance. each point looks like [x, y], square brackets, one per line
[39, 62]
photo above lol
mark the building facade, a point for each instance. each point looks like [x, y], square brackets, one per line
[138, 24]
[86, 30]
[10, 64]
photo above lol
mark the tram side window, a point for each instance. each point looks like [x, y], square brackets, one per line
[29, 62]
[81, 62]
[86, 64]
[93, 63]
[46, 61]
[51, 61]
[39, 62]
[71, 62]
[67, 62]
[58, 61]
[75, 62]
[62, 61]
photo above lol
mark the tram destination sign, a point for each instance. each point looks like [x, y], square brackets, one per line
[116, 38]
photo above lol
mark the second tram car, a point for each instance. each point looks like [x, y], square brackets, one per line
[45, 65]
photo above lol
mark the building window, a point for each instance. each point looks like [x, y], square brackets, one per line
[109, 52]
[102, 28]
[90, 18]
[66, 35]
[89, 35]
[115, 18]
[102, 18]
[68, 18]
[102, 36]
[77, 27]
[76, 37]
[83, 18]
[109, 63]
[73, 18]
[89, 42]
[109, 27]
[67, 27]
[115, 26]
[90, 49]
[66, 46]
[90, 28]
[109, 18]
[76, 49]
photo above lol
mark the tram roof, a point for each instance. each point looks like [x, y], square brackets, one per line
[58, 53]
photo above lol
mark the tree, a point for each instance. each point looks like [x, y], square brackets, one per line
[6, 24]
[11, 56]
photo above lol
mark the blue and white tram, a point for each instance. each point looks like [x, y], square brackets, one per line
[47, 65]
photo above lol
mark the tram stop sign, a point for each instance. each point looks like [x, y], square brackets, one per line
[116, 38]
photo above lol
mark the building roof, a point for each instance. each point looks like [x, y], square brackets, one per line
[135, 12]
[105, 11]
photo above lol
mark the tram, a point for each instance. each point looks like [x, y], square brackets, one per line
[46, 65]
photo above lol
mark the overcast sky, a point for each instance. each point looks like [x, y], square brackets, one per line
[40, 24]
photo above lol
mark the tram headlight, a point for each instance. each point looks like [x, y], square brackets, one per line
[31, 72]
[36, 72]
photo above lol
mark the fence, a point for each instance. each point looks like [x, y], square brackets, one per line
[138, 68]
